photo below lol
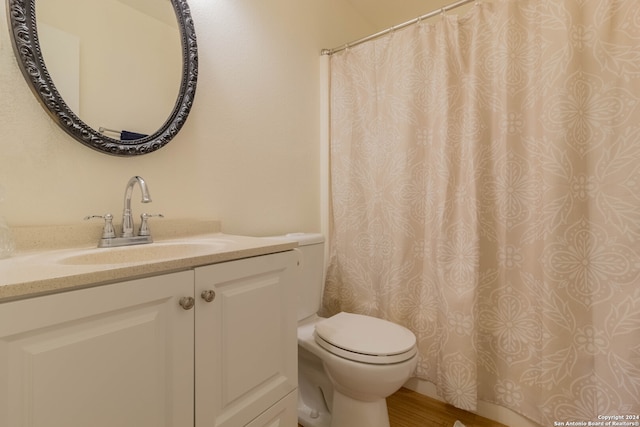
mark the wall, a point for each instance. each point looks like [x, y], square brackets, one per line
[248, 154]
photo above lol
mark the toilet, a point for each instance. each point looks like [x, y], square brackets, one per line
[348, 363]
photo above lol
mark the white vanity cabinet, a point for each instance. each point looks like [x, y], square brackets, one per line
[214, 346]
[114, 355]
[246, 343]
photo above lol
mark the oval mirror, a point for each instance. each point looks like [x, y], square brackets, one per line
[117, 75]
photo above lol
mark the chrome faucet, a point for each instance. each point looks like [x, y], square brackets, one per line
[127, 220]
[127, 238]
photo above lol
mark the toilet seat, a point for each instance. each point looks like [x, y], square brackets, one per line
[365, 339]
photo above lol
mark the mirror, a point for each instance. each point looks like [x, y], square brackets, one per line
[119, 101]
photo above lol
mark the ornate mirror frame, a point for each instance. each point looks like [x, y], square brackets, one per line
[27, 49]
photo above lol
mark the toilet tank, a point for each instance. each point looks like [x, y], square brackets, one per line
[310, 275]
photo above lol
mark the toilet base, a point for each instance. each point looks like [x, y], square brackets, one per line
[310, 418]
[349, 412]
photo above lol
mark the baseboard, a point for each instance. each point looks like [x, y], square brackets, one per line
[485, 409]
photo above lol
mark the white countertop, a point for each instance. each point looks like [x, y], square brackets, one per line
[31, 271]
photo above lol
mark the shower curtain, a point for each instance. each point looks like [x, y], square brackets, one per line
[485, 193]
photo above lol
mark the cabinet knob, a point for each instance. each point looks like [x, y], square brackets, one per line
[208, 295]
[187, 302]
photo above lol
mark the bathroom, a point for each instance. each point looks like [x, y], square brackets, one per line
[249, 154]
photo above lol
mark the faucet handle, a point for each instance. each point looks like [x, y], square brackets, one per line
[107, 232]
[144, 223]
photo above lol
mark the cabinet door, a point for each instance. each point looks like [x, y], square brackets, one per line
[246, 338]
[115, 355]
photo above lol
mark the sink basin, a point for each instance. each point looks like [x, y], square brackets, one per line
[143, 253]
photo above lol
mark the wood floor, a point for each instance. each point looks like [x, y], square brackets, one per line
[410, 409]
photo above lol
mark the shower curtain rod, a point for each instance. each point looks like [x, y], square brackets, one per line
[396, 27]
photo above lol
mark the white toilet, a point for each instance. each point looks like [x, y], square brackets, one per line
[349, 363]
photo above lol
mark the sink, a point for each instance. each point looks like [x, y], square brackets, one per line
[143, 253]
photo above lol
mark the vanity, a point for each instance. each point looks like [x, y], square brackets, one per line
[195, 329]
[192, 328]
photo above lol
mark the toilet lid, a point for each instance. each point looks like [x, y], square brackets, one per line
[366, 335]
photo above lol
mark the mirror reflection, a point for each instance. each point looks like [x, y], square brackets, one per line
[123, 72]
[116, 63]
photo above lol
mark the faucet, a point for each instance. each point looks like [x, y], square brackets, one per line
[127, 220]
[109, 239]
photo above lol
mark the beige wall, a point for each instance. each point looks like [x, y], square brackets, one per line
[248, 154]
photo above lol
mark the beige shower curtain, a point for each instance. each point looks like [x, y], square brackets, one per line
[485, 193]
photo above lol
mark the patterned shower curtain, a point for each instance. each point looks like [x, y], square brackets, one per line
[485, 193]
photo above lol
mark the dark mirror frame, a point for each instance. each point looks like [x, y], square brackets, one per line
[24, 34]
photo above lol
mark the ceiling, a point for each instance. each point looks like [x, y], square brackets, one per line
[383, 14]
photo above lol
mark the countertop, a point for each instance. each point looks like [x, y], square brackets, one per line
[42, 269]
